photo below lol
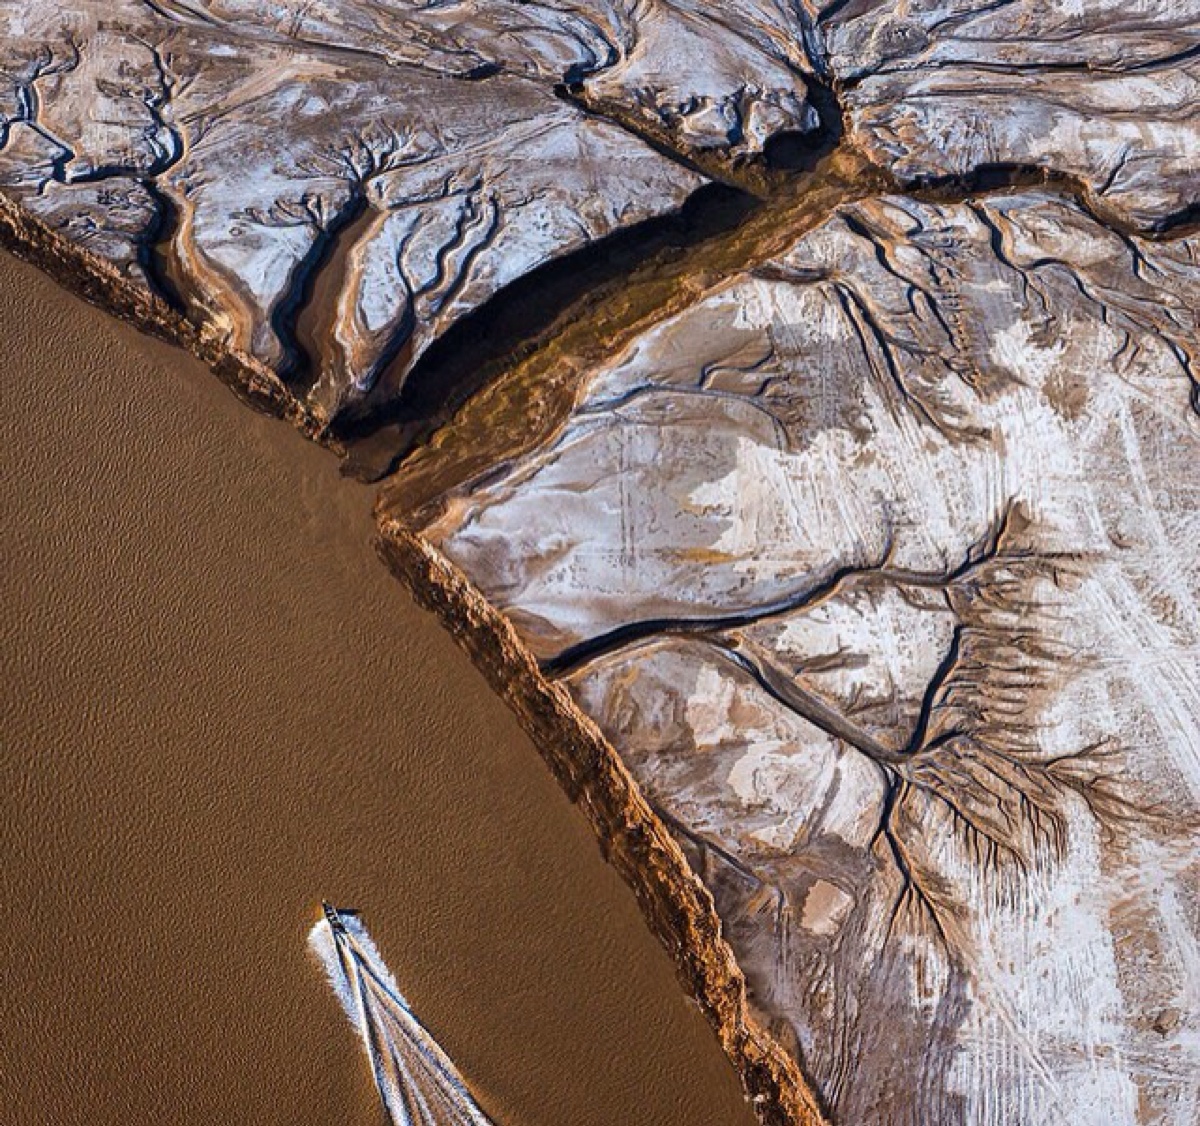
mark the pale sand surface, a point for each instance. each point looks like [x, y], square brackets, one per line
[217, 709]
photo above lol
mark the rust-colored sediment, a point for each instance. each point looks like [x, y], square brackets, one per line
[531, 398]
[99, 282]
[676, 905]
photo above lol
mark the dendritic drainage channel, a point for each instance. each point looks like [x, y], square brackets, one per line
[839, 549]
[876, 565]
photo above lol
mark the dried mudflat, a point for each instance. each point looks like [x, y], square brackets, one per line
[219, 152]
[877, 565]
[843, 564]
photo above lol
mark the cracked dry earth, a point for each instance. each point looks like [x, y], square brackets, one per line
[865, 531]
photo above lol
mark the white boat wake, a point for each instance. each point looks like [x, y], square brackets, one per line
[416, 1080]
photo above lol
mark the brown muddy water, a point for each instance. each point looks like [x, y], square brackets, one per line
[217, 709]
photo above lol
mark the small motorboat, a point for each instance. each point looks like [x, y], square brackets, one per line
[417, 1082]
